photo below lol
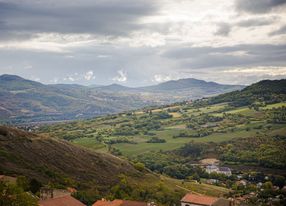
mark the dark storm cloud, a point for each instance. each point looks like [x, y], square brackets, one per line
[223, 29]
[256, 22]
[108, 17]
[258, 6]
[230, 56]
[279, 31]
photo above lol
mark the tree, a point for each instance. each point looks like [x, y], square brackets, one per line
[35, 186]
[139, 166]
[23, 183]
[279, 181]
[267, 185]
[13, 195]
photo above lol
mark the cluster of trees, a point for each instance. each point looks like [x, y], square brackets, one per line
[177, 163]
[194, 122]
[182, 134]
[158, 193]
[176, 166]
[202, 132]
[14, 195]
[127, 190]
[264, 151]
[147, 124]
[156, 140]
[277, 115]
[162, 115]
[192, 149]
[22, 193]
[125, 130]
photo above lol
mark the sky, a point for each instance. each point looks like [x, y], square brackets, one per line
[143, 42]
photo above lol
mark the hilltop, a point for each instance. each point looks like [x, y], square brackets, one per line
[190, 83]
[266, 91]
[24, 100]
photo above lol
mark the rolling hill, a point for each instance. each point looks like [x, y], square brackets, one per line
[25, 101]
[60, 164]
[48, 159]
[266, 91]
[216, 121]
[246, 137]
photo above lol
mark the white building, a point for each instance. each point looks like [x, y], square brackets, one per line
[212, 168]
[224, 170]
[220, 170]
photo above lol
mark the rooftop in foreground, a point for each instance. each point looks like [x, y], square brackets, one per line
[199, 199]
[61, 201]
[119, 203]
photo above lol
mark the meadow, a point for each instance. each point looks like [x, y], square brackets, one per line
[129, 132]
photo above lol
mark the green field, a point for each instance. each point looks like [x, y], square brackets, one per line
[241, 122]
[277, 105]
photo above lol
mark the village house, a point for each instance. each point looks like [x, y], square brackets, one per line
[242, 182]
[220, 170]
[104, 202]
[203, 200]
[211, 169]
[51, 197]
[224, 170]
[67, 200]
[212, 181]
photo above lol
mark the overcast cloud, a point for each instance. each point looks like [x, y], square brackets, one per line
[143, 42]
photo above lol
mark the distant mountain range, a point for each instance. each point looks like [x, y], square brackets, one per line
[24, 100]
[182, 85]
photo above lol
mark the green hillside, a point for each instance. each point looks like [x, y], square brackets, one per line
[59, 164]
[267, 91]
[174, 140]
[168, 128]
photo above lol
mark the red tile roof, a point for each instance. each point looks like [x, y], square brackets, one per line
[199, 199]
[61, 201]
[133, 203]
[108, 203]
[119, 203]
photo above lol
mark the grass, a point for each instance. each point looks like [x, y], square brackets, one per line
[213, 108]
[174, 143]
[175, 114]
[90, 143]
[277, 105]
[243, 111]
[88, 130]
[201, 188]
